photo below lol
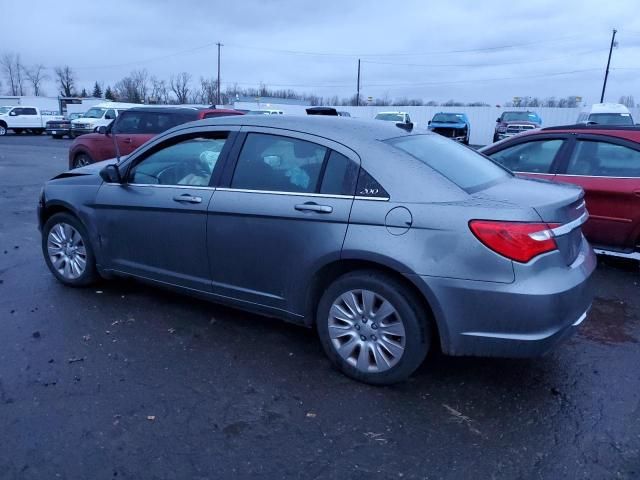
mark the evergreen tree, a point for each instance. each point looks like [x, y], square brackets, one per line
[83, 93]
[97, 91]
[108, 94]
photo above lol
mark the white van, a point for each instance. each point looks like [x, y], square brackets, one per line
[606, 114]
[99, 115]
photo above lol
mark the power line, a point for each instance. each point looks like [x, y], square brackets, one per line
[399, 54]
[480, 65]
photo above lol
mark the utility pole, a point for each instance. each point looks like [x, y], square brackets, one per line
[606, 74]
[218, 89]
[358, 87]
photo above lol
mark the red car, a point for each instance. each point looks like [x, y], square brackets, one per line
[603, 160]
[132, 128]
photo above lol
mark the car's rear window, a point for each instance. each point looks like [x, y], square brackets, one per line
[462, 165]
[611, 118]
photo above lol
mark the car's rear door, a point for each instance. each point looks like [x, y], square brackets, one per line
[154, 225]
[280, 212]
[608, 169]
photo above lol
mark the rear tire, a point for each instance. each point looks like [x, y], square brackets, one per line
[67, 251]
[373, 328]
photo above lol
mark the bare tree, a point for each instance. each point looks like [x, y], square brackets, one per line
[66, 81]
[180, 86]
[208, 90]
[36, 75]
[627, 101]
[11, 68]
[141, 82]
[126, 90]
[159, 91]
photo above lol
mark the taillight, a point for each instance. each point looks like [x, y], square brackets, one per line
[517, 241]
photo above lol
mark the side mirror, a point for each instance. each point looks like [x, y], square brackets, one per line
[429, 122]
[111, 174]
[498, 119]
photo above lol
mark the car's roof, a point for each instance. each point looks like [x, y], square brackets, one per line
[606, 108]
[164, 109]
[341, 130]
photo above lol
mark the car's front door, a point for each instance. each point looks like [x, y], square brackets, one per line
[533, 157]
[608, 170]
[281, 210]
[154, 225]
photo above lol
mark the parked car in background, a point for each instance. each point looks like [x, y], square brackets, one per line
[99, 115]
[512, 123]
[606, 114]
[451, 125]
[60, 128]
[386, 241]
[398, 117]
[266, 111]
[132, 128]
[22, 119]
[327, 111]
[603, 160]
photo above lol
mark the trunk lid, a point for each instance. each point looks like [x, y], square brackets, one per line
[554, 204]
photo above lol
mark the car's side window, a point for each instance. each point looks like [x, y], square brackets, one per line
[603, 159]
[29, 111]
[532, 157]
[277, 163]
[110, 115]
[187, 162]
[340, 175]
[127, 123]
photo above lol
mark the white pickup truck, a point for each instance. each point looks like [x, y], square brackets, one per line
[21, 119]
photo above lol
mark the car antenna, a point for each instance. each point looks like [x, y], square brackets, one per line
[115, 142]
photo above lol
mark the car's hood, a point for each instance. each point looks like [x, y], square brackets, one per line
[85, 120]
[447, 125]
[93, 169]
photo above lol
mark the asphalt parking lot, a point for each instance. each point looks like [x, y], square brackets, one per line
[126, 381]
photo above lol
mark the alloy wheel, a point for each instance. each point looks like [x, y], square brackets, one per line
[366, 331]
[67, 251]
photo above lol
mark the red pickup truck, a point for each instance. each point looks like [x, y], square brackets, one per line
[132, 128]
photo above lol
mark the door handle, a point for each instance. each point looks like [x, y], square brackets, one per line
[314, 207]
[186, 198]
[636, 193]
[126, 140]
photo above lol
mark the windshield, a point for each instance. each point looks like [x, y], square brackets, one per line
[448, 118]
[522, 116]
[462, 165]
[611, 118]
[95, 113]
[5, 109]
[73, 116]
[390, 117]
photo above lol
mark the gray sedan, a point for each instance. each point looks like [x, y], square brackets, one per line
[388, 242]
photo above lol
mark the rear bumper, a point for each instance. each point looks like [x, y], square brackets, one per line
[526, 318]
[58, 131]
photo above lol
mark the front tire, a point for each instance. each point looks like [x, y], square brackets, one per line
[82, 160]
[3, 130]
[372, 327]
[67, 250]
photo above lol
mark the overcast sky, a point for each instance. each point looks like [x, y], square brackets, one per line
[466, 50]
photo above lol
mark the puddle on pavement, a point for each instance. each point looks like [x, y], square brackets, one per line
[609, 322]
